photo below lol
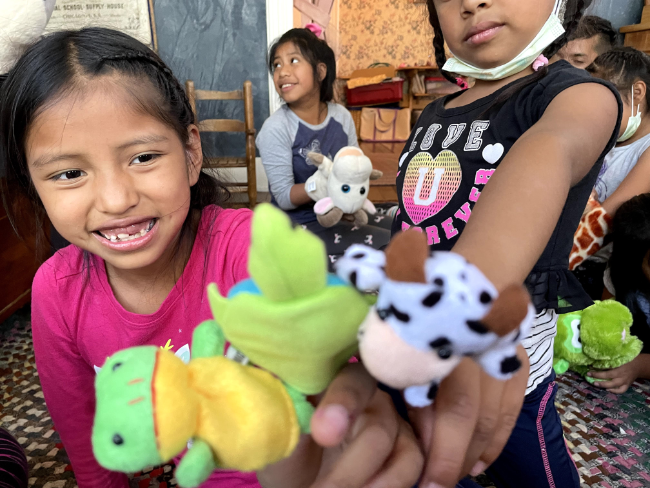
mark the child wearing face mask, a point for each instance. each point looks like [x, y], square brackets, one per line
[499, 174]
[626, 169]
[304, 69]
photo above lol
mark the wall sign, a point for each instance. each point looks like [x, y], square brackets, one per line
[133, 17]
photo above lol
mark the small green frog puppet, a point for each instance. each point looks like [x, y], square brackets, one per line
[294, 321]
[597, 337]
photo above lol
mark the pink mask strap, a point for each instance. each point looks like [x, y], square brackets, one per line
[315, 28]
[540, 62]
[462, 83]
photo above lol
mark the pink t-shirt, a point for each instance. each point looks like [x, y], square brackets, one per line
[77, 323]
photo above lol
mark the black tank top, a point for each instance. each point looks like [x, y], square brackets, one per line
[452, 153]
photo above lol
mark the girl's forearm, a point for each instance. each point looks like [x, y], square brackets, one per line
[644, 366]
[298, 195]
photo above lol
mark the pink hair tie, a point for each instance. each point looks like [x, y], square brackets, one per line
[462, 83]
[540, 62]
[315, 28]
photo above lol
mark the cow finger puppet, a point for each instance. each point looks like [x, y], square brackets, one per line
[340, 187]
[432, 310]
[297, 325]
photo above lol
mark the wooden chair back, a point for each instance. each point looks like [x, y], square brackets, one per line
[247, 126]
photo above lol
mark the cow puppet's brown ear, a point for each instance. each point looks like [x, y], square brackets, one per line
[405, 257]
[508, 310]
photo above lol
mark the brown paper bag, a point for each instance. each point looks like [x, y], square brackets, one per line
[385, 124]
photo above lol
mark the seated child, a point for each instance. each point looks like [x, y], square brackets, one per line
[630, 282]
[626, 169]
[304, 70]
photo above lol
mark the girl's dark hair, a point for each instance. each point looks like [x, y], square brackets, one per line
[56, 66]
[574, 11]
[631, 238]
[315, 51]
[623, 66]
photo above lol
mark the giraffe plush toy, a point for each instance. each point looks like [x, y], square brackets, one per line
[588, 239]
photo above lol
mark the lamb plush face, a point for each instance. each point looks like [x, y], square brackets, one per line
[349, 181]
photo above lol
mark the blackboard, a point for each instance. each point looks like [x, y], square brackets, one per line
[218, 44]
[618, 12]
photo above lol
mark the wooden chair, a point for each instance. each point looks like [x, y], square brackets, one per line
[230, 125]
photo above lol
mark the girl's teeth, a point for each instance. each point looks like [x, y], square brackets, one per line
[130, 237]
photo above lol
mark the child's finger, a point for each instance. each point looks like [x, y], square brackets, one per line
[511, 402]
[345, 399]
[488, 420]
[422, 420]
[612, 383]
[620, 390]
[404, 466]
[373, 438]
[456, 409]
[603, 375]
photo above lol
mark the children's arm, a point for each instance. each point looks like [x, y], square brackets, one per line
[618, 380]
[276, 152]
[635, 183]
[508, 231]
[520, 207]
[350, 129]
[68, 385]
[299, 195]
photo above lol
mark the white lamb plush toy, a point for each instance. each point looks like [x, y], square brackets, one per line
[340, 187]
[21, 23]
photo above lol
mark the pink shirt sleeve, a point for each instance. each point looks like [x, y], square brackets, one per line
[67, 382]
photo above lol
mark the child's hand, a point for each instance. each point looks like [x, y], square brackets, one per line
[358, 440]
[618, 380]
[470, 422]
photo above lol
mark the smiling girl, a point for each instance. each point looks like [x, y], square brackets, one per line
[304, 69]
[99, 135]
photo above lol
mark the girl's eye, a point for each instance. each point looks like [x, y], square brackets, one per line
[294, 60]
[73, 174]
[144, 159]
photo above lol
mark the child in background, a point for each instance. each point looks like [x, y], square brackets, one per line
[304, 69]
[99, 136]
[630, 282]
[626, 169]
[500, 173]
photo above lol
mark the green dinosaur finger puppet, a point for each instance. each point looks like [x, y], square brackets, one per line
[597, 337]
[296, 322]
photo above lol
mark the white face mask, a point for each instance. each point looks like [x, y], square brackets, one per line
[550, 31]
[633, 122]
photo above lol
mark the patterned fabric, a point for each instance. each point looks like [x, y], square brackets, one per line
[387, 31]
[13, 463]
[588, 239]
[608, 435]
